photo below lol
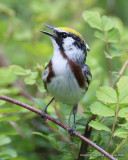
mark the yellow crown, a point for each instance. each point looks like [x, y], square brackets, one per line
[72, 31]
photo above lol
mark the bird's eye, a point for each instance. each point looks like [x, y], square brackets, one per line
[64, 35]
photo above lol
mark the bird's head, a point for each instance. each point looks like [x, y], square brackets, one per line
[69, 41]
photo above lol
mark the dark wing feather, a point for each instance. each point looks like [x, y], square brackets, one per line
[87, 75]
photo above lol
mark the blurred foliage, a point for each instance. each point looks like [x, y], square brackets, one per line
[25, 51]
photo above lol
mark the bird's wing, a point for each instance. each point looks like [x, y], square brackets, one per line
[87, 75]
[45, 75]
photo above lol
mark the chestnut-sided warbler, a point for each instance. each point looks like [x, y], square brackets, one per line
[67, 77]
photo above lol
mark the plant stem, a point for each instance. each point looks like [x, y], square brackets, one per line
[113, 127]
[58, 123]
[121, 72]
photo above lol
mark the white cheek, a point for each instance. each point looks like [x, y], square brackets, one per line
[68, 42]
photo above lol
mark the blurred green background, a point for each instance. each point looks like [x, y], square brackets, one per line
[22, 43]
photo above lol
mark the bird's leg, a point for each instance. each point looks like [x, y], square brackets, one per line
[45, 110]
[72, 130]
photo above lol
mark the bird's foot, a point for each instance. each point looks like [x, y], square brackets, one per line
[43, 115]
[72, 130]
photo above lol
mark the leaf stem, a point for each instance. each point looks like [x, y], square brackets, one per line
[121, 72]
[113, 127]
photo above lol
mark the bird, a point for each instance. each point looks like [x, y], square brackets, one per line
[67, 77]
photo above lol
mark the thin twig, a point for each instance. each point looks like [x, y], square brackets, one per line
[87, 134]
[121, 72]
[113, 127]
[58, 123]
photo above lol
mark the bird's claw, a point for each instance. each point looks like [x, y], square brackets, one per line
[43, 115]
[72, 130]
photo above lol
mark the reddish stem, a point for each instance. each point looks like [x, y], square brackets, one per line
[58, 123]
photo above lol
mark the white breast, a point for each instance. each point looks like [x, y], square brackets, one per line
[64, 87]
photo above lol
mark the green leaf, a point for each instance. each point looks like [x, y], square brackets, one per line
[8, 110]
[9, 118]
[41, 89]
[8, 78]
[114, 53]
[19, 70]
[107, 55]
[2, 102]
[99, 126]
[4, 91]
[99, 35]
[93, 19]
[29, 81]
[106, 23]
[113, 36]
[120, 132]
[34, 75]
[4, 140]
[123, 113]
[94, 154]
[53, 126]
[8, 151]
[42, 135]
[101, 109]
[106, 94]
[122, 86]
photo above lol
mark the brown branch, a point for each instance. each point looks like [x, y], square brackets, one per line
[58, 123]
[87, 134]
[121, 72]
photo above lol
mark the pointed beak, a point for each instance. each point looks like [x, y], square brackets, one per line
[48, 33]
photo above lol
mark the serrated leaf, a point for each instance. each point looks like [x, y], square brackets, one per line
[93, 19]
[101, 109]
[106, 23]
[29, 81]
[106, 94]
[122, 86]
[113, 36]
[4, 140]
[99, 35]
[18, 70]
[123, 113]
[99, 126]
[120, 132]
